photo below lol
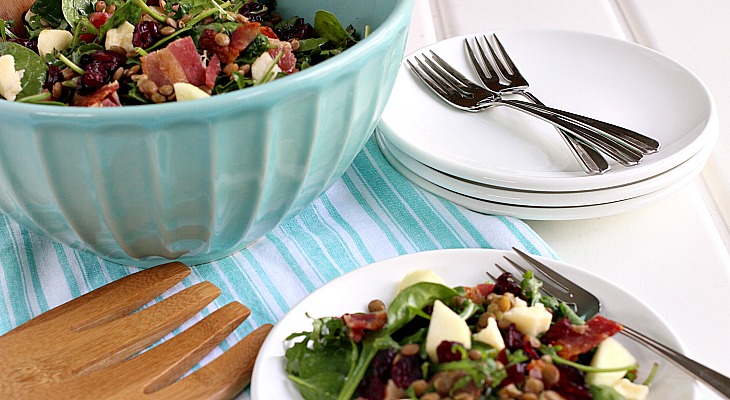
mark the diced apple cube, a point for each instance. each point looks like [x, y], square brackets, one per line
[530, 321]
[630, 390]
[186, 91]
[53, 39]
[120, 36]
[9, 78]
[609, 354]
[418, 276]
[445, 325]
[491, 335]
[261, 66]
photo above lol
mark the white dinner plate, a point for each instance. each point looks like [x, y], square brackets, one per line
[689, 168]
[605, 78]
[353, 291]
[540, 212]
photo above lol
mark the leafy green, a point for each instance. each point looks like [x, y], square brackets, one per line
[601, 392]
[405, 305]
[34, 69]
[370, 347]
[183, 7]
[5, 31]
[553, 353]
[319, 364]
[75, 11]
[329, 27]
[129, 11]
[50, 10]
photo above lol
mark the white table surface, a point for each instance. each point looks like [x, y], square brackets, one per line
[673, 254]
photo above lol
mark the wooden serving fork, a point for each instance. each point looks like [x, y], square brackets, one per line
[88, 348]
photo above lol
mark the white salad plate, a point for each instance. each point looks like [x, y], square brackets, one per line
[689, 168]
[459, 267]
[605, 78]
[541, 212]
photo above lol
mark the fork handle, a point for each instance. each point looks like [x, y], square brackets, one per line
[715, 380]
[646, 144]
[618, 149]
[590, 160]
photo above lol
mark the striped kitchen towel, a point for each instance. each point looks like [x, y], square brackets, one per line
[372, 213]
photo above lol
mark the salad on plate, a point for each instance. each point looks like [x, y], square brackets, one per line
[105, 53]
[495, 340]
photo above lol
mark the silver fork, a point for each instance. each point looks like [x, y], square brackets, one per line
[500, 74]
[587, 304]
[591, 160]
[456, 89]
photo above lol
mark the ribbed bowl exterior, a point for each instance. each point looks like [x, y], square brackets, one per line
[196, 181]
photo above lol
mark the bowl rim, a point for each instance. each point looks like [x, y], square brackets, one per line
[273, 90]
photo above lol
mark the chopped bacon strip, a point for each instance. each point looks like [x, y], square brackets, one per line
[360, 322]
[212, 71]
[478, 294]
[186, 54]
[240, 39]
[178, 62]
[578, 339]
[106, 96]
[268, 32]
[288, 61]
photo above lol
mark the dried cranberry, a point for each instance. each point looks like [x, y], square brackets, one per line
[383, 363]
[558, 330]
[406, 369]
[371, 388]
[99, 70]
[448, 351]
[146, 33]
[298, 30]
[513, 338]
[54, 75]
[255, 12]
[571, 384]
[27, 43]
[506, 283]
[515, 374]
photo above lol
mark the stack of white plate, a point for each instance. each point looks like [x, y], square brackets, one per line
[501, 161]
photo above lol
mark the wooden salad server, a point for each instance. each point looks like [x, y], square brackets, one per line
[90, 347]
[14, 9]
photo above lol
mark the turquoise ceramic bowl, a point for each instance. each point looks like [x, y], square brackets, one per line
[196, 181]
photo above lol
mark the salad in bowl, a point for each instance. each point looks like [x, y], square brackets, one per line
[106, 53]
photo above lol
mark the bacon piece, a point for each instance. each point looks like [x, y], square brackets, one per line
[268, 32]
[360, 322]
[105, 96]
[582, 338]
[212, 71]
[186, 54]
[240, 39]
[288, 61]
[178, 62]
[244, 35]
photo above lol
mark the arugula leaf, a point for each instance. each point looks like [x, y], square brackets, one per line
[319, 364]
[415, 297]
[50, 10]
[182, 7]
[35, 70]
[531, 287]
